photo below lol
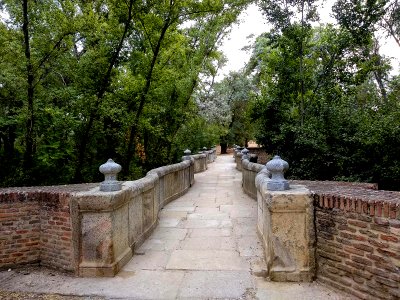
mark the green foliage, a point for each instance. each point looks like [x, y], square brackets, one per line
[82, 81]
[227, 104]
[351, 123]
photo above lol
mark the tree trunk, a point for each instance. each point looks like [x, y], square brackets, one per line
[134, 127]
[30, 121]
[85, 135]
[224, 147]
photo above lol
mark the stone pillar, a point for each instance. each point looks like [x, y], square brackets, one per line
[286, 225]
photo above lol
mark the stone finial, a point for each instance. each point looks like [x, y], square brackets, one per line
[277, 167]
[187, 153]
[245, 153]
[110, 170]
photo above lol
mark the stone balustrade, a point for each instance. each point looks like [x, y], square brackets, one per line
[238, 160]
[85, 230]
[350, 233]
[212, 155]
[249, 173]
[200, 162]
[285, 223]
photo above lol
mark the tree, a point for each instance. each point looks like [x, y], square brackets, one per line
[227, 103]
[345, 106]
[284, 15]
[86, 80]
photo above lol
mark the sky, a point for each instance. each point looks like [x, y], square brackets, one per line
[253, 23]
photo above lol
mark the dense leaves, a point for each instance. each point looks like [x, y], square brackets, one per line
[226, 104]
[82, 81]
[327, 103]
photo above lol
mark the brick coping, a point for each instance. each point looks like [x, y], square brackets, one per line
[362, 198]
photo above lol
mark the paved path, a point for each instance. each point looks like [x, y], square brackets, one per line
[205, 247]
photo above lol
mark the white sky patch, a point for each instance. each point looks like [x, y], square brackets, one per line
[253, 23]
[4, 16]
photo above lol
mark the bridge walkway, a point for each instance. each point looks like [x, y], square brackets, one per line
[205, 247]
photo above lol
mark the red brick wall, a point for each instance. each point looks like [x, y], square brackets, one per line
[358, 242]
[56, 232]
[35, 227]
[19, 230]
[263, 157]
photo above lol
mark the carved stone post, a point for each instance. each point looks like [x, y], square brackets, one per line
[110, 170]
[286, 225]
[277, 167]
[187, 153]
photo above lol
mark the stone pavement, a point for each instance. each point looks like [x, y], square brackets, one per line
[205, 247]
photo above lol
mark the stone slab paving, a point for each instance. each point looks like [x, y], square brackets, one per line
[205, 247]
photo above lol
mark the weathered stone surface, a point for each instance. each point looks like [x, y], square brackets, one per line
[215, 284]
[210, 232]
[158, 245]
[169, 233]
[195, 223]
[206, 260]
[208, 216]
[286, 225]
[150, 260]
[245, 230]
[209, 243]
[267, 290]
[249, 246]
[249, 172]
[200, 162]
[169, 222]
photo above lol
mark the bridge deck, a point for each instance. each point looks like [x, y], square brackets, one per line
[205, 246]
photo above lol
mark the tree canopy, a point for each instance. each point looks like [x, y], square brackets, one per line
[82, 81]
[327, 102]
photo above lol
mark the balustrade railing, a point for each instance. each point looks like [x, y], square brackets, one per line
[94, 229]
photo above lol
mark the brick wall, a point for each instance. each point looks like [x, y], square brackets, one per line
[263, 157]
[19, 230]
[358, 239]
[35, 228]
[56, 232]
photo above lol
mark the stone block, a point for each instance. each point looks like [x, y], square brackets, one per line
[288, 233]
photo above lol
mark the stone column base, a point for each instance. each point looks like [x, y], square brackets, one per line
[285, 222]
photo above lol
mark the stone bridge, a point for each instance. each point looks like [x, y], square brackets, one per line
[194, 231]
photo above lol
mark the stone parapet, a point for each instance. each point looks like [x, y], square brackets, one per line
[200, 162]
[81, 229]
[238, 161]
[111, 225]
[357, 230]
[211, 155]
[285, 224]
[249, 172]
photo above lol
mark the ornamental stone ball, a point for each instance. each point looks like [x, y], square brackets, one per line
[277, 167]
[110, 170]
